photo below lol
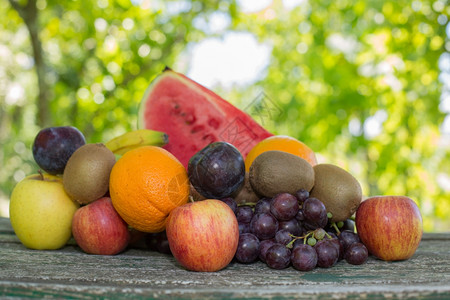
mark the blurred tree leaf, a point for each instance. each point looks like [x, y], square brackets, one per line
[358, 81]
[98, 59]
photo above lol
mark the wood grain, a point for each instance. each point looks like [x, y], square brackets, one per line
[137, 273]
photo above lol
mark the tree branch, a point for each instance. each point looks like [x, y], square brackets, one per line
[29, 14]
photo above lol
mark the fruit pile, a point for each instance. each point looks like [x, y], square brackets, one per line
[45, 208]
[253, 196]
[286, 225]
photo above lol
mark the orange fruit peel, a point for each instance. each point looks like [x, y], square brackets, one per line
[281, 143]
[146, 184]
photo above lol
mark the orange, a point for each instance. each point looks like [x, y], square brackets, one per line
[281, 143]
[145, 185]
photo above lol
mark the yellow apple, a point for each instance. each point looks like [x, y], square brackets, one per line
[41, 212]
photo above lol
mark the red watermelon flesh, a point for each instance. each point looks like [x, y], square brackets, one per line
[193, 117]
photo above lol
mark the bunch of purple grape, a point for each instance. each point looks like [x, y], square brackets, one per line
[290, 229]
[158, 242]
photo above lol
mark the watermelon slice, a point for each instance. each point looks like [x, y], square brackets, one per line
[193, 117]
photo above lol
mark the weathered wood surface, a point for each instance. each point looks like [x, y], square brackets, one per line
[69, 273]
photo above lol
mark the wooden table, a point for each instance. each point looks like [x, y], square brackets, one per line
[140, 273]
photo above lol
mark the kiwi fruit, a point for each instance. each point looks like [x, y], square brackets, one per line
[86, 176]
[196, 196]
[274, 172]
[338, 190]
[245, 194]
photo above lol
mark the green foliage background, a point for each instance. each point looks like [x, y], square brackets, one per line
[98, 58]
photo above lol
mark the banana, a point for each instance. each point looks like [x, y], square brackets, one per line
[136, 138]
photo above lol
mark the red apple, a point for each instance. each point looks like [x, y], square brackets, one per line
[389, 226]
[203, 236]
[98, 228]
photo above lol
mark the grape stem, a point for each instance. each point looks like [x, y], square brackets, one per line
[294, 238]
[336, 228]
[305, 239]
[252, 204]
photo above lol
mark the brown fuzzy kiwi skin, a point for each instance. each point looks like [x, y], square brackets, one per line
[86, 175]
[338, 190]
[274, 172]
[196, 196]
[246, 194]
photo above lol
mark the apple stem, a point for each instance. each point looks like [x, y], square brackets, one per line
[41, 174]
[353, 218]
